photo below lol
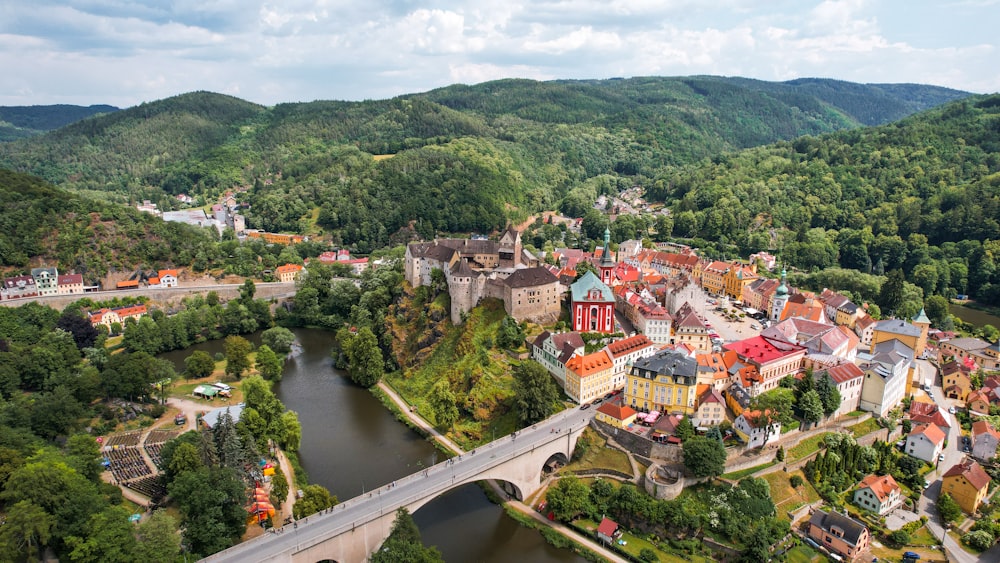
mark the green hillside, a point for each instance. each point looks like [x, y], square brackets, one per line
[921, 195]
[21, 122]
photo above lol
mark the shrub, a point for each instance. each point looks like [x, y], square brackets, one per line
[899, 538]
[647, 554]
[980, 540]
[795, 481]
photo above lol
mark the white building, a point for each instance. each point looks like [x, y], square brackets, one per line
[624, 353]
[925, 442]
[554, 350]
[886, 376]
[753, 429]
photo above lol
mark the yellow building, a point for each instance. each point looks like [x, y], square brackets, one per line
[713, 277]
[967, 483]
[666, 382]
[589, 376]
[738, 277]
[617, 416]
[955, 381]
[288, 272]
[913, 336]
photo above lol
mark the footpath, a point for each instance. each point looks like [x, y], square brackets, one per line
[419, 421]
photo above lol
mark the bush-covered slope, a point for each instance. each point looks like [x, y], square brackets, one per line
[922, 194]
[20, 122]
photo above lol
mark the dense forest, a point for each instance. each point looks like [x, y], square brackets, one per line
[466, 158]
[20, 122]
[921, 195]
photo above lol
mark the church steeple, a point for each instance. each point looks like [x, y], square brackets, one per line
[780, 298]
[607, 262]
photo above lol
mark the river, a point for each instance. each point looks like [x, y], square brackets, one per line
[351, 443]
[975, 316]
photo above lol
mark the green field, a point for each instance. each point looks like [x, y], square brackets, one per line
[805, 447]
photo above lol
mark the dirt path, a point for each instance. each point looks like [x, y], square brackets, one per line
[286, 506]
[190, 409]
[418, 420]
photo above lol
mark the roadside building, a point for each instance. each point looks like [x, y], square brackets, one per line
[619, 416]
[624, 353]
[887, 374]
[967, 482]
[554, 350]
[664, 382]
[840, 534]
[70, 284]
[925, 442]
[757, 428]
[589, 376]
[774, 360]
[985, 440]
[46, 280]
[878, 493]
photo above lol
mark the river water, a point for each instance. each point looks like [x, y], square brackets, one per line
[975, 316]
[351, 443]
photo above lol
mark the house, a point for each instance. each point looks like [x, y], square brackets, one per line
[665, 382]
[928, 413]
[713, 277]
[69, 284]
[760, 293]
[878, 493]
[756, 428]
[805, 306]
[896, 329]
[887, 373]
[978, 402]
[624, 353]
[774, 360]
[607, 531]
[925, 442]
[18, 287]
[691, 330]
[554, 350]
[984, 354]
[985, 440]
[532, 294]
[288, 273]
[589, 376]
[864, 327]
[738, 278]
[840, 534]
[134, 312]
[168, 278]
[817, 338]
[956, 380]
[850, 381]
[106, 317]
[46, 281]
[592, 306]
[711, 409]
[615, 415]
[967, 483]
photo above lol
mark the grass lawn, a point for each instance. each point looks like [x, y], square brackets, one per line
[866, 427]
[805, 447]
[737, 475]
[183, 391]
[802, 554]
[635, 544]
[599, 456]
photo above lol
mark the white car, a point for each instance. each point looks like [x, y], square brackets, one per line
[953, 410]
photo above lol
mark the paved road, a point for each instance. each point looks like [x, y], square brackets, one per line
[387, 499]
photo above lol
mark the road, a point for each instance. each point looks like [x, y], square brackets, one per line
[370, 506]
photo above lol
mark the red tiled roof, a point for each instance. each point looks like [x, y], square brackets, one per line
[607, 528]
[881, 485]
[68, 279]
[164, 273]
[763, 350]
[921, 412]
[845, 372]
[931, 431]
[972, 471]
[980, 427]
[617, 412]
[630, 344]
[590, 363]
[287, 268]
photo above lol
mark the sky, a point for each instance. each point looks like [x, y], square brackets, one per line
[124, 52]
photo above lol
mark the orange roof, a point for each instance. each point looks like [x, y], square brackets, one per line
[287, 268]
[881, 485]
[630, 344]
[133, 310]
[981, 427]
[623, 412]
[154, 281]
[931, 431]
[127, 283]
[972, 471]
[590, 363]
[165, 273]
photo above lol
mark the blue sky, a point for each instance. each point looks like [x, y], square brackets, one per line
[125, 52]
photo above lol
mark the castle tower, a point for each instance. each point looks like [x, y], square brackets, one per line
[509, 248]
[924, 324]
[460, 290]
[780, 297]
[607, 264]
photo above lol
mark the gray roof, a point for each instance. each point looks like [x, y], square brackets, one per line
[670, 363]
[530, 277]
[897, 326]
[851, 527]
[212, 417]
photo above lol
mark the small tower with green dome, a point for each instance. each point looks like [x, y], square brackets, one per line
[607, 264]
[780, 298]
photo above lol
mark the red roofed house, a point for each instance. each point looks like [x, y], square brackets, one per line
[554, 350]
[985, 440]
[711, 407]
[626, 351]
[168, 278]
[607, 531]
[774, 360]
[967, 483]
[288, 272]
[849, 379]
[134, 312]
[756, 428]
[105, 317]
[928, 413]
[978, 402]
[70, 284]
[589, 377]
[878, 493]
[690, 329]
[615, 415]
[925, 442]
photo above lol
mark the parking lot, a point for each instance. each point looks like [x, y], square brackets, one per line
[730, 331]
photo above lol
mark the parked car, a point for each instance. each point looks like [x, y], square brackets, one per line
[180, 419]
[585, 406]
[940, 457]
[952, 410]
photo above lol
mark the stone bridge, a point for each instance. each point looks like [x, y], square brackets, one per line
[352, 530]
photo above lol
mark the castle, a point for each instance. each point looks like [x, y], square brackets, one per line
[479, 268]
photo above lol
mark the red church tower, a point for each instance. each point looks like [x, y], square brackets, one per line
[606, 265]
[593, 305]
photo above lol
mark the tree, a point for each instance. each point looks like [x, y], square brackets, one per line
[75, 323]
[83, 454]
[582, 267]
[568, 498]
[184, 457]
[442, 403]
[211, 502]
[980, 540]
[890, 298]
[647, 554]
[535, 393]
[509, 334]
[779, 455]
[269, 364]
[291, 435]
[404, 543]
[704, 457]
[109, 537]
[279, 487]
[143, 336]
[27, 528]
[237, 351]
[685, 429]
[279, 339]
[949, 510]
[158, 540]
[314, 499]
[811, 407]
[247, 291]
[364, 358]
[199, 364]
[829, 395]
[936, 307]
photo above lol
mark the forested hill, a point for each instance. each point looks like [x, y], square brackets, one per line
[19, 122]
[921, 194]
